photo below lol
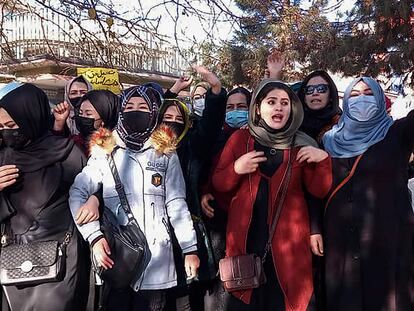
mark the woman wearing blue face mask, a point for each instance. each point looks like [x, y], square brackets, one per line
[369, 222]
[237, 106]
[238, 101]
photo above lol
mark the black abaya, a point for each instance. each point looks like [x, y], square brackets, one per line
[37, 204]
[369, 228]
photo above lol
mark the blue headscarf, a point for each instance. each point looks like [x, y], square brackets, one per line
[9, 87]
[350, 137]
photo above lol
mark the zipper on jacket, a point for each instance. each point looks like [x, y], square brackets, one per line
[153, 217]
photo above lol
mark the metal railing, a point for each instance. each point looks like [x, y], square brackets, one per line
[166, 60]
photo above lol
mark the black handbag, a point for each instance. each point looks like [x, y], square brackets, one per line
[128, 244]
[33, 263]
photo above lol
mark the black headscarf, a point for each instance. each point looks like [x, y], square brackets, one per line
[39, 176]
[29, 108]
[315, 120]
[241, 90]
[106, 104]
[136, 141]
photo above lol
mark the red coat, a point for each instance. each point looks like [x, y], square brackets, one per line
[290, 245]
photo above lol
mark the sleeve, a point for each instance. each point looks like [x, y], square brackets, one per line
[208, 129]
[6, 208]
[170, 95]
[73, 164]
[65, 132]
[409, 132]
[87, 183]
[177, 208]
[316, 210]
[225, 179]
[318, 177]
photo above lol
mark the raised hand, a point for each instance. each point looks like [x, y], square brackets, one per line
[275, 65]
[209, 77]
[181, 83]
[61, 113]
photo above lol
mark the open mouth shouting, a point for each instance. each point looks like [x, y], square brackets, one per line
[275, 108]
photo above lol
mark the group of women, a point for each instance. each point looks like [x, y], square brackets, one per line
[210, 184]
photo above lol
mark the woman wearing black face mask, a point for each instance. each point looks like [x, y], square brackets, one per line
[64, 113]
[195, 152]
[155, 190]
[99, 108]
[175, 114]
[36, 171]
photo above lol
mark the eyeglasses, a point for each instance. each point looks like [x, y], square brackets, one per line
[320, 88]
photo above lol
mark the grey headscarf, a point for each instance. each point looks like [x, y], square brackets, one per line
[283, 138]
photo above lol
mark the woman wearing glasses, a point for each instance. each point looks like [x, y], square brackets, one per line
[319, 96]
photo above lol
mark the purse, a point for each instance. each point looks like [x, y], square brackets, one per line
[244, 272]
[129, 248]
[33, 263]
[241, 272]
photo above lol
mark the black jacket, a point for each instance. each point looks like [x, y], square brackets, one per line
[195, 153]
[196, 149]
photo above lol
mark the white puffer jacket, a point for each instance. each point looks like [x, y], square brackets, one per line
[155, 188]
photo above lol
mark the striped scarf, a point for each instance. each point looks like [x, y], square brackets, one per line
[136, 140]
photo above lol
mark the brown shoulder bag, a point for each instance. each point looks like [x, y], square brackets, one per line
[246, 271]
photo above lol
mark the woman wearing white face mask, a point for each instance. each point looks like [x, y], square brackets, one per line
[198, 97]
[369, 223]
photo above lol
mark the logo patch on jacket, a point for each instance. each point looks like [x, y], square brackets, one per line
[156, 166]
[156, 180]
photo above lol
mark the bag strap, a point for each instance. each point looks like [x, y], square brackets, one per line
[3, 240]
[119, 187]
[68, 234]
[5, 229]
[283, 192]
[347, 178]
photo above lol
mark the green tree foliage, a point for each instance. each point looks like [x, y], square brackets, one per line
[381, 40]
[376, 37]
